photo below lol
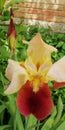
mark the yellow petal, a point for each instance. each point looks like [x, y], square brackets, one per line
[57, 71]
[38, 50]
[17, 75]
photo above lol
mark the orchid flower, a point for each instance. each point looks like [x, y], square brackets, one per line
[30, 79]
[11, 35]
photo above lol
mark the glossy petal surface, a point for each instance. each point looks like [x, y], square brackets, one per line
[39, 104]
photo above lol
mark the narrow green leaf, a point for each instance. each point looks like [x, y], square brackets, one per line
[2, 4]
[59, 110]
[31, 121]
[48, 124]
[19, 121]
[63, 118]
[2, 107]
[62, 126]
[4, 126]
[54, 112]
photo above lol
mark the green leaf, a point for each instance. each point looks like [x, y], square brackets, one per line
[3, 79]
[5, 16]
[49, 123]
[13, 2]
[54, 55]
[63, 118]
[59, 111]
[4, 126]
[4, 53]
[19, 121]
[62, 126]
[54, 112]
[2, 107]
[2, 4]
[60, 44]
[63, 47]
[31, 122]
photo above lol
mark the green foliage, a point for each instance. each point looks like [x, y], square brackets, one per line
[48, 124]
[32, 121]
[4, 127]
[12, 2]
[55, 119]
[5, 15]
[7, 103]
[19, 119]
[2, 5]
[62, 126]
[2, 107]
[3, 31]
[4, 12]
[59, 112]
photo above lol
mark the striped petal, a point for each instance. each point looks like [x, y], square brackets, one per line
[39, 104]
[17, 75]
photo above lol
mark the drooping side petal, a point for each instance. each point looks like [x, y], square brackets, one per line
[57, 71]
[39, 104]
[17, 75]
[11, 68]
[39, 51]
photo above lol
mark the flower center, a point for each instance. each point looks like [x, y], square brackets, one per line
[36, 81]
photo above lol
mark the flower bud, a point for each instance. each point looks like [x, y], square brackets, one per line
[11, 35]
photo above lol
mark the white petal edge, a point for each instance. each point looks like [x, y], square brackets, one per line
[11, 68]
[19, 77]
[57, 71]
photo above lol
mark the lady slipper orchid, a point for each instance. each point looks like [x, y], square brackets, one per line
[30, 79]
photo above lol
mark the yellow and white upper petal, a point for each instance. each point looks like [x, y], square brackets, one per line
[30, 67]
[38, 50]
[17, 75]
[57, 71]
